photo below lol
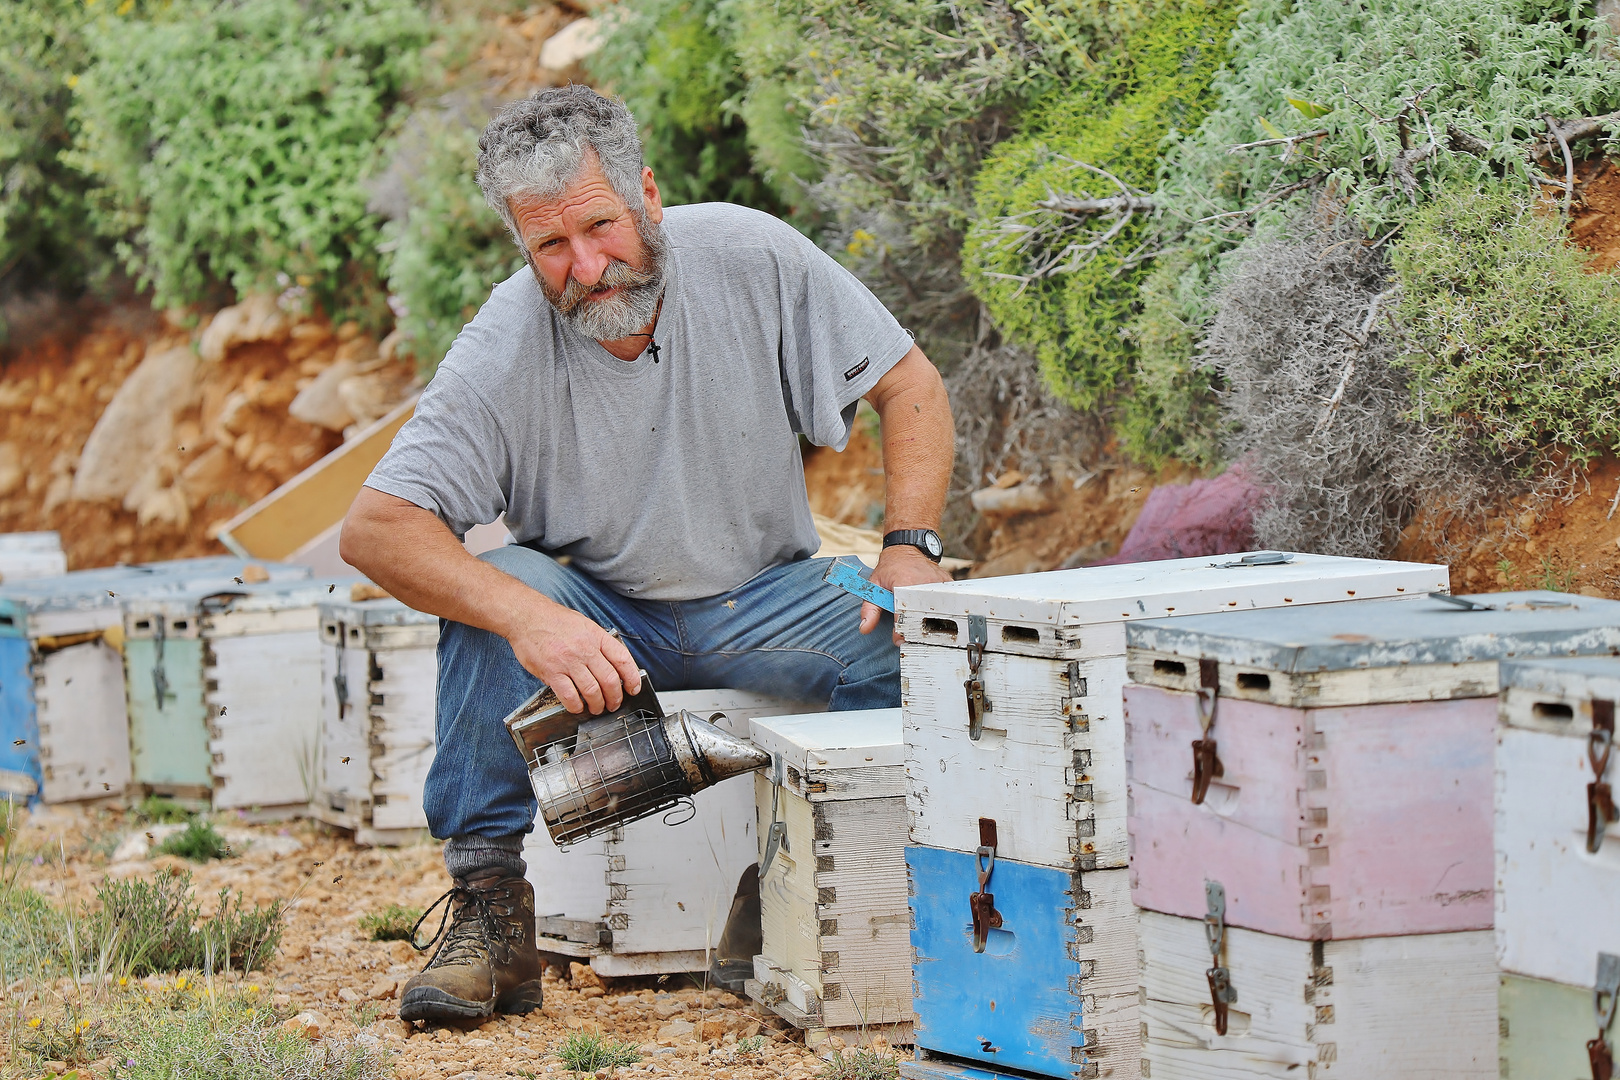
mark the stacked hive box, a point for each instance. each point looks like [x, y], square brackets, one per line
[652, 898]
[164, 676]
[831, 809]
[1015, 773]
[379, 680]
[262, 688]
[63, 714]
[1557, 867]
[1311, 831]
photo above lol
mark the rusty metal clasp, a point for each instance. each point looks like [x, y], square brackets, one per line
[1600, 808]
[1605, 993]
[1206, 763]
[977, 703]
[982, 904]
[1222, 994]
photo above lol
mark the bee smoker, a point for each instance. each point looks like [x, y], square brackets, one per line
[591, 774]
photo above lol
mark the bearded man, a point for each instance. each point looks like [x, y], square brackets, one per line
[633, 403]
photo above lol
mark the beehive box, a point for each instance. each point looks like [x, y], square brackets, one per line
[651, 898]
[1054, 993]
[261, 654]
[1357, 743]
[1049, 765]
[1395, 1008]
[64, 719]
[836, 957]
[1048, 768]
[379, 685]
[1557, 900]
[27, 556]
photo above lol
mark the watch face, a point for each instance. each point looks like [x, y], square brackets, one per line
[931, 542]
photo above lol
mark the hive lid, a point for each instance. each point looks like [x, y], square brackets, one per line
[1567, 678]
[1133, 591]
[89, 588]
[813, 742]
[1421, 631]
[384, 612]
[30, 541]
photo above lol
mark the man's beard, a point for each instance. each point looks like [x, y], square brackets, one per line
[632, 307]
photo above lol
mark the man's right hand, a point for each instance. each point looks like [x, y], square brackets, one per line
[587, 667]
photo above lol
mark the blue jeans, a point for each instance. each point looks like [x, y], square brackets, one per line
[785, 633]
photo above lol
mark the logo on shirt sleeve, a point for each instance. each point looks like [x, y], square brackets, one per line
[865, 363]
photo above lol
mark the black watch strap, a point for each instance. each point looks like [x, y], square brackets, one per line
[924, 540]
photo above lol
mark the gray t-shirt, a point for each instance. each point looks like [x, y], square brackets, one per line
[666, 481]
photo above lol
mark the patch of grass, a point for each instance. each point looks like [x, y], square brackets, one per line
[157, 810]
[861, 1065]
[753, 1044]
[392, 923]
[199, 842]
[157, 926]
[237, 1041]
[70, 1037]
[588, 1051]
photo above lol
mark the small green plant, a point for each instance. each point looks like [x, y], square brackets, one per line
[861, 1064]
[588, 1051]
[199, 842]
[237, 1040]
[365, 1013]
[753, 1044]
[157, 810]
[69, 1037]
[156, 926]
[392, 923]
[1510, 576]
[1555, 577]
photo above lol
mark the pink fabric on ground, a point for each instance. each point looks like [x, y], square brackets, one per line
[1183, 521]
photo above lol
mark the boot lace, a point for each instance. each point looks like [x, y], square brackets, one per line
[475, 924]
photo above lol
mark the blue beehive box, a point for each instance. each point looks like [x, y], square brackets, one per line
[64, 728]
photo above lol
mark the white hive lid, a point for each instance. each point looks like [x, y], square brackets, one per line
[815, 742]
[1153, 590]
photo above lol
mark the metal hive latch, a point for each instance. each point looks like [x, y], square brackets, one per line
[977, 703]
[1600, 808]
[1206, 764]
[1222, 994]
[1605, 992]
[982, 904]
[776, 838]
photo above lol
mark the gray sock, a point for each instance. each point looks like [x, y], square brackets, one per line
[465, 856]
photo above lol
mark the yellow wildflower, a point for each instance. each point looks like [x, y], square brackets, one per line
[72, 81]
[126, 7]
[34, 1023]
[180, 982]
[123, 980]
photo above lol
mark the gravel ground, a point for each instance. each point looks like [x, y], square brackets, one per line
[326, 966]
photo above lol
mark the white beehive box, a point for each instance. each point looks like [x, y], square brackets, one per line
[1413, 1007]
[837, 951]
[379, 685]
[1557, 901]
[262, 688]
[27, 556]
[64, 719]
[649, 898]
[1050, 764]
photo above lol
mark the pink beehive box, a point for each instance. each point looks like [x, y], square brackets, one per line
[1353, 795]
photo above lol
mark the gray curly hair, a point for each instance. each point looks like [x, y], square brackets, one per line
[541, 144]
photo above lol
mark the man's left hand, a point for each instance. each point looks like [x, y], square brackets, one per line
[897, 566]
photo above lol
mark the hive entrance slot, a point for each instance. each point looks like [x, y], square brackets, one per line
[1253, 680]
[1169, 667]
[940, 626]
[1553, 710]
[1027, 634]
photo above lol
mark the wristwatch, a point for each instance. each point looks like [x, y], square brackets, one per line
[924, 540]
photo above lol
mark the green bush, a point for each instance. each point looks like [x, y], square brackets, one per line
[450, 248]
[1508, 335]
[1065, 294]
[588, 1051]
[158, 810]
[672, 63]
[236, 1041]
[44, 235]
[228, 141]
[199, 841]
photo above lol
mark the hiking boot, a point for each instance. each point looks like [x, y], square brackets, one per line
[742, 938]
[486, 961]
